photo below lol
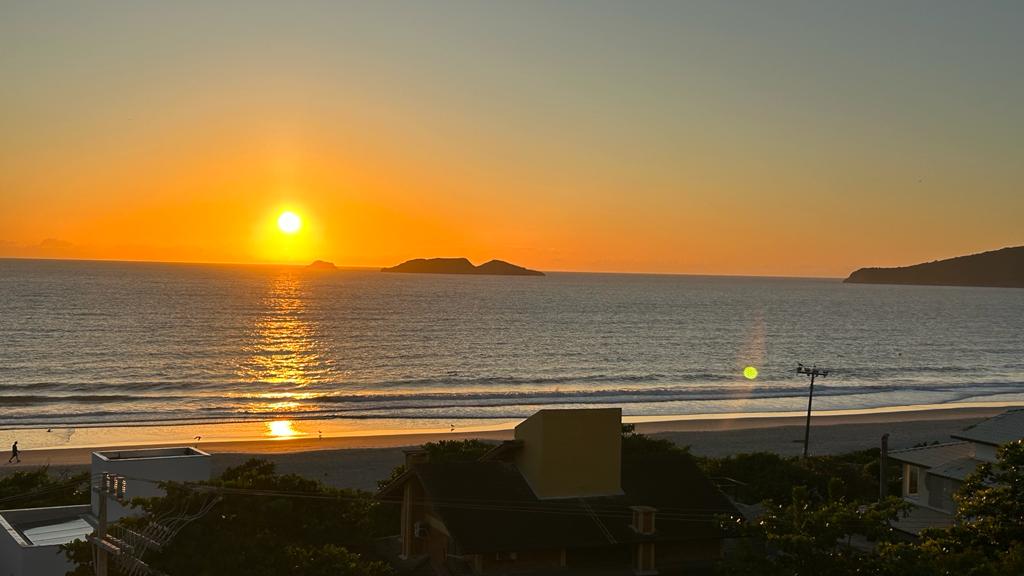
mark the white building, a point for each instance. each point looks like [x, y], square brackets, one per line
[932, 474]
[30, 538]
[145, 469]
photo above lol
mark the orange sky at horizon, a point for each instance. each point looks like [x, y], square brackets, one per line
[180, 133]
[364, 215]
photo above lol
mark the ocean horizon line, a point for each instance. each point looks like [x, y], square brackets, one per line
[372, 268]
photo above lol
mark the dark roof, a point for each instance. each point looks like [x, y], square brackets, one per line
[997, 430]
[488, 506]
[958, 469]
[933, 455]
[503, 451]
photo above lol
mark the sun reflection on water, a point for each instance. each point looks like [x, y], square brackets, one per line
[284, 354]
[282, 429]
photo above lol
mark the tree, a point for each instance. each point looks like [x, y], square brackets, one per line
[264, 524]
[988, 538]
[445, 451]
[637, 444]
[38, 488]
[331, 560]
[804, 538]
[772, 477]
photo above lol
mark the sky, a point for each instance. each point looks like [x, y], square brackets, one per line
[753, 138]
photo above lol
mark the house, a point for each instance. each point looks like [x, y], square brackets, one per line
[560, 498]
[30, 538]
[932, 474]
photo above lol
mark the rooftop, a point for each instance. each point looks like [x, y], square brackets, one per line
[151, 453]
[488, 506]
[934, 455]
[958, 469]
[997, 430]
[58, 531]
[49, 526]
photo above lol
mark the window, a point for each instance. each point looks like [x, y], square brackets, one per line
[913, 474]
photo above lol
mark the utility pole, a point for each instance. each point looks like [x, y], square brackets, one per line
[126, 546]
[813, 372]
[111, 486]
[883, 468]
[106, 545]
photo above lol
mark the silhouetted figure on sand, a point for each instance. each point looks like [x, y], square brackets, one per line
[14, 453]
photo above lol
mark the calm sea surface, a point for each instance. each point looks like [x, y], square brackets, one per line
[104, 343]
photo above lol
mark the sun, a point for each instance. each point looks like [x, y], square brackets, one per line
[289, 222]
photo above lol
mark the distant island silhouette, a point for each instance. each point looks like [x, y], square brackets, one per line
[998, 269]
[322, 265]
[460, 266]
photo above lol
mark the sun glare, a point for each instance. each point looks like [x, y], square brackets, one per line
[750, 373]
[289, 222]
[281, 429]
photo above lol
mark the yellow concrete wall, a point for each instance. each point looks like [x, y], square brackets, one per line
[571, 453]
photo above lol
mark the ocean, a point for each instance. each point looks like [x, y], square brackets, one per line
[107, 343]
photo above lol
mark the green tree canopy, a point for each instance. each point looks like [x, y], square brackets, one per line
[264, 524]
[37, 488]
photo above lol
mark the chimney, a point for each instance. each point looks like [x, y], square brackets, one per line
[575, 453]
[643, 551]
[643, 519]
[415, 456]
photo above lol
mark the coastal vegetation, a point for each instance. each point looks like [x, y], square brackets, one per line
[761, 476]
[42, 487]
[841, 535]
[263, 524]
[819, 515]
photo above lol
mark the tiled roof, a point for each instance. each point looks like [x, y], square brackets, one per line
[934, 455]
[997, 430]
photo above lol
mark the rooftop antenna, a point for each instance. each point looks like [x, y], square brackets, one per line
[813, 372]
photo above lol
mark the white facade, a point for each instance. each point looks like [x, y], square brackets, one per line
[932, 474]
[144, 470]
[30, 539]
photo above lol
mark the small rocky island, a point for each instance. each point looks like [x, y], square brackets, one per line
[321, 265]
[460, 266]
[998, 269]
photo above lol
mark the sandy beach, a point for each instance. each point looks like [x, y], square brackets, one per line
[358, 462]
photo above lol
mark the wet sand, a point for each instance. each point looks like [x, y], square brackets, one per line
[358, 462]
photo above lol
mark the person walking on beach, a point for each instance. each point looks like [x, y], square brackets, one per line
[14, 453]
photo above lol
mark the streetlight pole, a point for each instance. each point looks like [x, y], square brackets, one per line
[813, 372]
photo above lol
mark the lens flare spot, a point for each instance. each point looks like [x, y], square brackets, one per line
[750, 373]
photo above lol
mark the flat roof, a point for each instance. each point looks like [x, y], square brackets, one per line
[152, 453]
[57, 531]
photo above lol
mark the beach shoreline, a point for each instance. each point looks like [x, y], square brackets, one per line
[705, 434]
